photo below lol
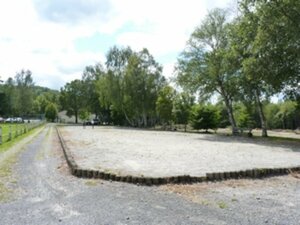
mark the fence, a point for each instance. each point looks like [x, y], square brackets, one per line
[9, 132]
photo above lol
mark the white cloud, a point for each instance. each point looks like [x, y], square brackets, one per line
[39, 34]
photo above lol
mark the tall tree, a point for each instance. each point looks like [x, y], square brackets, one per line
[130, 86]
[25, 85]
[206, 64]
[72, 98]
[113, 91]
[183, 103]
[267, 42]
[51, 112]
[164, 104]
[90, 76]
[142, 82]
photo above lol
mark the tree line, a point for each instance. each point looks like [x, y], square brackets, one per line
[244, 61]
[247, 59]
[20, 97]
[241, 61]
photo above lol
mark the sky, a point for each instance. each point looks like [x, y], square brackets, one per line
[57, 39]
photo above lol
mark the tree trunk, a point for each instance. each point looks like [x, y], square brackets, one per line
[127, 118]
[145, 119]
[76, 116]
[261, 114]
[230, 115]
[229, 109]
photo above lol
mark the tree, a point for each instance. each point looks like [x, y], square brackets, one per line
[142, 83]
[206, 65]
[40, 104]
[72, 98]
[183, 103]
[164, 104]
[24, 89]
[204, 117]
[90, 77]
[130, 87]
[51, 112]
[266, 38]
[271, 110]
[244, 114]
[286, 114]
[84, 114]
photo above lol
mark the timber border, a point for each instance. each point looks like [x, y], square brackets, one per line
[255, 173]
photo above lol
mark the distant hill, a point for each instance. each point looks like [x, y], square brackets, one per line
[38, 90]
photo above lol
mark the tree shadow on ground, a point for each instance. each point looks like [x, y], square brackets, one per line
[287, 143]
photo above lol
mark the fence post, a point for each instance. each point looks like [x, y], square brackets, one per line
[0, 135]
[16, 130]
[9, 134]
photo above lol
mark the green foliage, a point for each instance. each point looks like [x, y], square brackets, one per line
[287, 114]
[19, 97]
[244, 116]
[204, 117]
[24, 91]
[51, 112]
[72, 98]
[224, 120]
[84, 114]
[164, 104]
[266, 42]
[90, 77]
[130, 87]
[206, 65]
[271, 111]
[183, 103]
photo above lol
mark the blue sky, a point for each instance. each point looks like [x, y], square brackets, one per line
[56, 39]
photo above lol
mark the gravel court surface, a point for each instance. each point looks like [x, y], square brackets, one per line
[48, 194]
[161, 154]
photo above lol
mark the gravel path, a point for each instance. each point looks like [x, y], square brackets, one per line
[162, 154]
[48, 194]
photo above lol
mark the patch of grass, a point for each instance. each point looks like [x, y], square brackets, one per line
[6, 179]
[7, 145]
[283, 139]
[15, 128]
[204, 202]
[222, 205]
[6, 167]
[234, 200]
[5, 193]
[91, 183]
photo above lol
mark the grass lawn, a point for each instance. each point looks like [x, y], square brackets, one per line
[11, 131]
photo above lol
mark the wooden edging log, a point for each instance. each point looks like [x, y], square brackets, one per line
[255, 173]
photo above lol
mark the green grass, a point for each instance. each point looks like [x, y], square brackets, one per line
[18, 132]
[6, 167]
[6, 179]
[8, 144]
[279, 139]
[91, 183]
[15, 129]
[222, 205]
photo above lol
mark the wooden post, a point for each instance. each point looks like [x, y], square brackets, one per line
[9, 134]
[0, 135]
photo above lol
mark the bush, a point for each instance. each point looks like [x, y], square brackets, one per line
[51, 112]
[205, 117]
